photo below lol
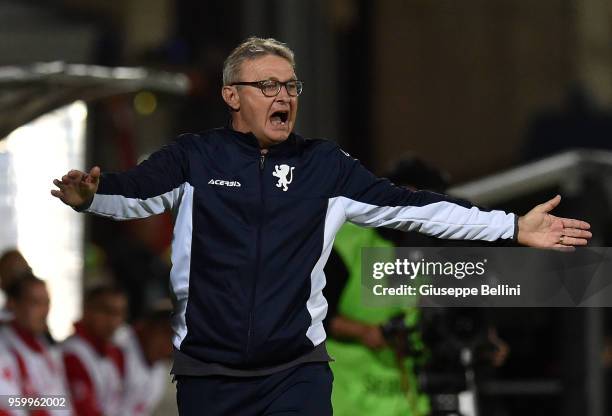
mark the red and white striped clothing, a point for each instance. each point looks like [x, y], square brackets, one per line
[9, 377]
[145, 383]
[30, 367]
[95, 374]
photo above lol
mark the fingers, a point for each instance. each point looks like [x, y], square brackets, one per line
[74, 175]
[572, 241]
[76, 187]
[60, 184]
[94, 175]
[571, 223]
[66, 184]
[57, 194]
[574, 232]
[573, 237]
[71, 178]
[549, 205]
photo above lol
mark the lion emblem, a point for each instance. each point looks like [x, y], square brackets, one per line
[281, 172]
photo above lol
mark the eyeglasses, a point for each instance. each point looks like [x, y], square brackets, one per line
[272, 87]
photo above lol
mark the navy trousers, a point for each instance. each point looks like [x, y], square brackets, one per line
[304, 390]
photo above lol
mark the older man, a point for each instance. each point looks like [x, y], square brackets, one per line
[256, 209]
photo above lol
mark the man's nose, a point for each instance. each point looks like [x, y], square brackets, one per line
[283, 94]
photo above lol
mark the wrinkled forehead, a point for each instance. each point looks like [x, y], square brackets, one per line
[267, 67]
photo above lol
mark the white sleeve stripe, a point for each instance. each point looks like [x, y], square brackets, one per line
[317, 304]
[440, 219]
[119, 207]
[181, 264]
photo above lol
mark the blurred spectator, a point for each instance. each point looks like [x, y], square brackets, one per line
[137, 263]
[12, 265]
[94, 364]
[30, 366]
[147, 350]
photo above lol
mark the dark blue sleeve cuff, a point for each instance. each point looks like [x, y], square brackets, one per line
[84, 206]
[516, 229]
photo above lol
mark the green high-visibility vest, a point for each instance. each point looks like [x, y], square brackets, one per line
[368, 382]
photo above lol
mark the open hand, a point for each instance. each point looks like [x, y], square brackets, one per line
[77, 188]
[538, 228]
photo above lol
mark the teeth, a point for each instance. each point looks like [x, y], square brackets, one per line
[277, 121]
[279, 118]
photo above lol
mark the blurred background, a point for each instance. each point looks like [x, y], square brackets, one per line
[511, 98]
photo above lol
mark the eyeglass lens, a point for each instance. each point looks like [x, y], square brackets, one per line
[271, 88]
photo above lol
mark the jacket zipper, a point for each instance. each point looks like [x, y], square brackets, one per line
[262, 161]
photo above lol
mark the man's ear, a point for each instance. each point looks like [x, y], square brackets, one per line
[231, 97]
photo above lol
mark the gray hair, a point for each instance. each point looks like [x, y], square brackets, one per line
[253, 48]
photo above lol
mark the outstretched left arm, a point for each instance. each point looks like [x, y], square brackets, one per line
[374, 202]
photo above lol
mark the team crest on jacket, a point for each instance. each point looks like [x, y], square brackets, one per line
[281, 172]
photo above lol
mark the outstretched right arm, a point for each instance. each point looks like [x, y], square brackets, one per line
[154, 186]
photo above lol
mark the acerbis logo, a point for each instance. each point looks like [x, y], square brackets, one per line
[220, 182]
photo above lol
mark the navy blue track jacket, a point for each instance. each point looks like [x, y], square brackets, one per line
[252, 234]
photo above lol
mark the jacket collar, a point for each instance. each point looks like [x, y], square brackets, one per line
[249, 142]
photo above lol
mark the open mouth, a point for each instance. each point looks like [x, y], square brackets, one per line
[279, 118]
